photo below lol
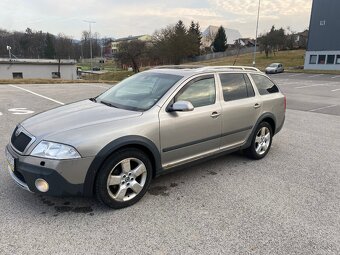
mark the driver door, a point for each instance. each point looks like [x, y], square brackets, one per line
[186, 136]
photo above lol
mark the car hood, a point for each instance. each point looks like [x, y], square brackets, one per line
[73, 116]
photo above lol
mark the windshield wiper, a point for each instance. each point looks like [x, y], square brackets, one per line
[108, 103]
[93, 99]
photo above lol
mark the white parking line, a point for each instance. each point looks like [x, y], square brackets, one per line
[325, 107]
[313, 76]
[37, 94]
[335, 90]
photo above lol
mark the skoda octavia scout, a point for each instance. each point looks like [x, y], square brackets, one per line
[113, 145]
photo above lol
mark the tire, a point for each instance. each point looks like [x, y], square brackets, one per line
[261, 142]
[124, 178]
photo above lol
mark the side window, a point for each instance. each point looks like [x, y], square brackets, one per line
[234, 86]
[264, 85]
[200, 92]
[313, 59]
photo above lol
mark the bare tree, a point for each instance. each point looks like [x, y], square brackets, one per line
[130, 53]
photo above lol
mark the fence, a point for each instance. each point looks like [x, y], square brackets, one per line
[216, 55]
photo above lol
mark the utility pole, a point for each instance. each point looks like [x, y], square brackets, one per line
[257, 28]
[90, 22]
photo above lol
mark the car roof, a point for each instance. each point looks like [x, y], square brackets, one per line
[189, 70]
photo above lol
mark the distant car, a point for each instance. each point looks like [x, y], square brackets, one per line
[275, 68]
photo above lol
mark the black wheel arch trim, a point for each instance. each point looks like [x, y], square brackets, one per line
[110, 148]
[260, 119]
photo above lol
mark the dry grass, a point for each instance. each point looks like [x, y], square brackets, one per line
[109, 76]
[290, 59]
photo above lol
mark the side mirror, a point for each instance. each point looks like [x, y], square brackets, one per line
[182, 106]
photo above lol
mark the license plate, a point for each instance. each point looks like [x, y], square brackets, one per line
[10, 160]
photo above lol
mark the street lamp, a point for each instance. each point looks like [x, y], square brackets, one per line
[257, 28]
[90, 22]
[9, 51]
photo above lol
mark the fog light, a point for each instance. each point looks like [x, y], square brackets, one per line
[41, 185]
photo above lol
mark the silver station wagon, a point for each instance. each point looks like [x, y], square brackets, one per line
[113, 145]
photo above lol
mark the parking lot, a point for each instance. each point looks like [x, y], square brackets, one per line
[287, 203]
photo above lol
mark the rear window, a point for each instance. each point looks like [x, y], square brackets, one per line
[264, 85]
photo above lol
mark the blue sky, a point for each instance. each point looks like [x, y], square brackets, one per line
[122, 18]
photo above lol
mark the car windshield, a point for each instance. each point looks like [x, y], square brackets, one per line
[139, 92]
[273, 65]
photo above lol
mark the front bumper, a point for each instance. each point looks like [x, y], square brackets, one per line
[65, 177]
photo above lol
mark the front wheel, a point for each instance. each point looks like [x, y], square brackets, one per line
[124, 178]
[261, 141]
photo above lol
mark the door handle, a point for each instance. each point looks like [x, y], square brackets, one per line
[257, 105]
[215, 115]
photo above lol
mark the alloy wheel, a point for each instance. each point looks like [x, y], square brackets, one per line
[262, 140]
[127, 179]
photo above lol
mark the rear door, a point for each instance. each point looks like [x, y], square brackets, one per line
[186, 136]
[241, 108]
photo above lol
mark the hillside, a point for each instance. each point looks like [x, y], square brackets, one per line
[289, 59]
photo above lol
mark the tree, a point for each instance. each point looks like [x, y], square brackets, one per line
[195, 37]
[273, 41]
[49, 48]
[220, 41]
[174, 43]
[130, 53]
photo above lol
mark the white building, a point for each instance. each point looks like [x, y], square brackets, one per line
[115, 43]
[323, 48]
[37, 69]
[210, 32]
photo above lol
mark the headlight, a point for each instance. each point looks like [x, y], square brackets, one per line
[55, 151]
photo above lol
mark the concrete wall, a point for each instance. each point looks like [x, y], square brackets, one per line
[325, 66]
[37, 71]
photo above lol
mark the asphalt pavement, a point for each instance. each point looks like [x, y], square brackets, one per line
[287, 203]
[311, 92]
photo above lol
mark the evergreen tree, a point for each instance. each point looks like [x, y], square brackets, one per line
[195, 38]
[179, 42]
[49, 51]
[220, 42]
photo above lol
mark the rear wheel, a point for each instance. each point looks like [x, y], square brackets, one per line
[124, 178]
[261, 141]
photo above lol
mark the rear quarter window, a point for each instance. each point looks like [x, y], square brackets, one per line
[264, 85]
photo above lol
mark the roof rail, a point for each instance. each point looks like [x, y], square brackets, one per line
[204, 68]
[178, 67]
[245, 68]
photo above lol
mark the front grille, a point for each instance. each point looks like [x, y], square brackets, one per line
[20, 141]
